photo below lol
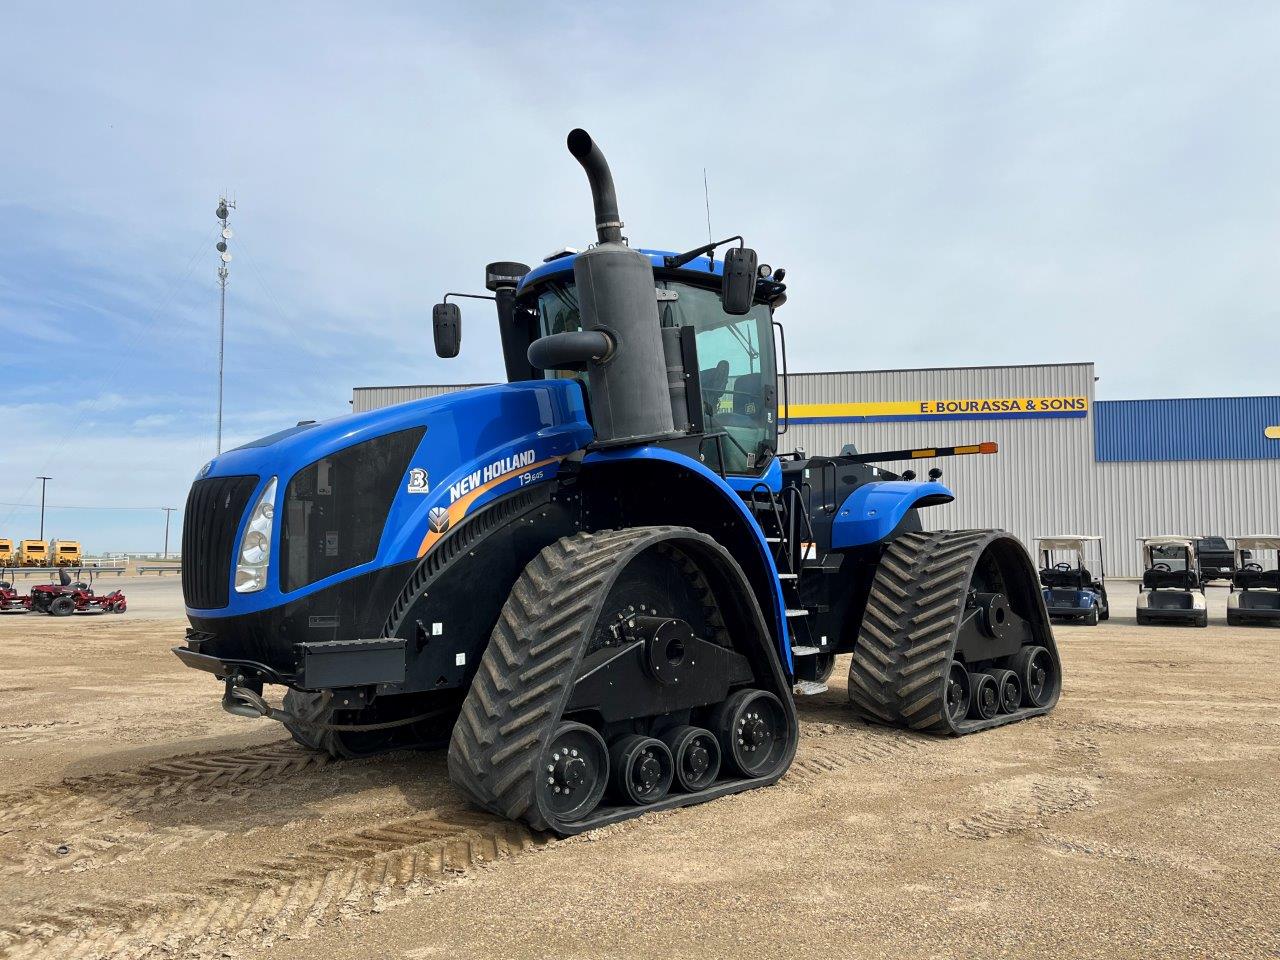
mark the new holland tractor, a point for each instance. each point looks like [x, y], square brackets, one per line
[602, 583]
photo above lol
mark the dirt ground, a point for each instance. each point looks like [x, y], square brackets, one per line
[1141, 818]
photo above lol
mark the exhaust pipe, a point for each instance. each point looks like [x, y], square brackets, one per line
[603, 195]
[620, 343]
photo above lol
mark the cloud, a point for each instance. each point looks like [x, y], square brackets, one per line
[986, 183]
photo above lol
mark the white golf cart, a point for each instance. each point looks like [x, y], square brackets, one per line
[1171, 589]
[1071, 591]
[1255, 589]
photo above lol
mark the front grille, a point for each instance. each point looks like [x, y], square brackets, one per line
[214, 509]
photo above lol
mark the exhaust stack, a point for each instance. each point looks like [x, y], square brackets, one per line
[617, 301]
[603, 195]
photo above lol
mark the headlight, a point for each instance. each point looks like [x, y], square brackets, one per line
[255, 545]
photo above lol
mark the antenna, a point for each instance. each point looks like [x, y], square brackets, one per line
[706, 195]
[224, 257]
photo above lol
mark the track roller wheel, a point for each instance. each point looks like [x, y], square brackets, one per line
[641, 769]
[986, 696]
[1010, 690]
[576, 765]
[752, 729]
[696, 754]
[1037, 670]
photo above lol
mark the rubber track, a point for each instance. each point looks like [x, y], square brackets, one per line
[527, 669]
[909, 631]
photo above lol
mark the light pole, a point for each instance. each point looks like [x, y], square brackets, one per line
[43, 482]
[167, 512]
[224, 255]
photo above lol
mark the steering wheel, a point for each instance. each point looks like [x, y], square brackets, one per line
[1252, 566]
[1062, 566]
[1162, 567]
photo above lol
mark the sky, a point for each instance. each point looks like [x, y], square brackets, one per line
[946, 183]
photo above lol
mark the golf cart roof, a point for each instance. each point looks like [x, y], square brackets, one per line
[1163, 541]
[1066, 541]
[1257, 542]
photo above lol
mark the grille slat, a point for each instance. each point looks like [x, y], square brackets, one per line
[214, 509]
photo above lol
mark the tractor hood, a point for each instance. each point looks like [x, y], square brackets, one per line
[365, 492]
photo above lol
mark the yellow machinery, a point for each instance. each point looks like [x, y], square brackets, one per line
[65, 553]
[6, 552]
[33, 553]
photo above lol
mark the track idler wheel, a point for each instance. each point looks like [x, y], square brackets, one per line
[959, 692]
[1037, 668]
[696, 754]
[752, 728]
[1010, 688]
[986, 696]
[576, 764]
[642, 769]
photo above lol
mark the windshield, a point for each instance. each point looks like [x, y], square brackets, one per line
[735, 360]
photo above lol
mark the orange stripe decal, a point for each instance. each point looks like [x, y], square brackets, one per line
[458, 509]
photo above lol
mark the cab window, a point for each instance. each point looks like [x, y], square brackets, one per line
[735, 357]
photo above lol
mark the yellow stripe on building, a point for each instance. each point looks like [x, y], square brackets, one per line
[1023, 406]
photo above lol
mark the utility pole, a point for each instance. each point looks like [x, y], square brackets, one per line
[224, 255]
[167, 512]
[43, 482]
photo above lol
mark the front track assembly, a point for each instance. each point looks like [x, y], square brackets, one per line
[630, 670]
[955, 637]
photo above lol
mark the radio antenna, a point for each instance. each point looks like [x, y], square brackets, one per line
[706, 195]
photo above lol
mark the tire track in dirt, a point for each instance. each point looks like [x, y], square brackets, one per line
[79, 801]
[347, 874]
[1029, 808]
[818, 760]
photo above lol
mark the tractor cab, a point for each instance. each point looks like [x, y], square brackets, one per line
[1255, 585]
[736, 407]
[1171, 589]
[1071, 590]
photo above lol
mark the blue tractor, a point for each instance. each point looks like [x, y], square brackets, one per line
[602, 583]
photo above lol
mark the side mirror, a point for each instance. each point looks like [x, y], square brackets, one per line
[446, 324]
[738, 288]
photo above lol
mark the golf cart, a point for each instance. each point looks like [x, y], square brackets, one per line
[1071, 591]
[1171, 589]
[1255, 590]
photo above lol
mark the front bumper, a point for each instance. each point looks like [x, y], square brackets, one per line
[326, 665]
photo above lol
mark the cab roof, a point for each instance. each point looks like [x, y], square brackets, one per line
[563, 265]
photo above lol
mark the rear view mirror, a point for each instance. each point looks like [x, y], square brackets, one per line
[446, 324]
[738, 288]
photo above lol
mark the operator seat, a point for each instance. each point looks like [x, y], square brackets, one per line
[714, 382]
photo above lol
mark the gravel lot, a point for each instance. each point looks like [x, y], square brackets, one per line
[1139, 819]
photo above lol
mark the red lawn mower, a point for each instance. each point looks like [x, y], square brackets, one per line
[11, 601]
[68, 597]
